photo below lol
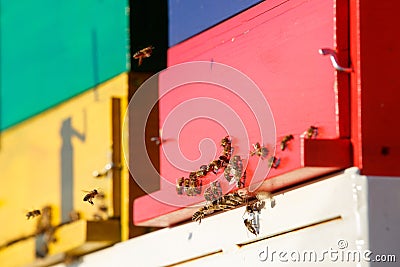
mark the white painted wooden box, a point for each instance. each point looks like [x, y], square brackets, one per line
[343, 220]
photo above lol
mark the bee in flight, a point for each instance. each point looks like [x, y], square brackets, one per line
[90, 195]
[32, 214]
[143, 53]
[285, 141]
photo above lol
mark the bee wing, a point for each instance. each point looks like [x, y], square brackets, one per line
[98, 190]
[148, 49]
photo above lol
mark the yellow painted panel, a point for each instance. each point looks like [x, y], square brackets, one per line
[18, 254]
[66, 143]
[68, 237]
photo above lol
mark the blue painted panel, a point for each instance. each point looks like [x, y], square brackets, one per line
[51, 51]
[190, 17]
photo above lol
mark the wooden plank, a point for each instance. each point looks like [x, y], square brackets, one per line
[327, 153]
[342, 85]
[116, 154]
[168, 215]
[377, 72]
[310, 211]
[135, 156]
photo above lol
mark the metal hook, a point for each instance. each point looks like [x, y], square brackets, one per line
[333, 57]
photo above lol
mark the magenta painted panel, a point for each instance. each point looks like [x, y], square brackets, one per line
[276, 45]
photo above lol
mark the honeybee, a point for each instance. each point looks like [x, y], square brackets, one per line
[249, 225]
[232, 199]
[224, 160]
[311, 132]
[202, 212]
[143, 53]
[263, 195]
[203, 168]
[32, 214]
[215, 165]
[234, 170]
[251, 217]
[285, 141]
[237, 166]
[186, 186]
[179, 185]
[90, 195]
[196, 186]
[242, 181]
[191, 186]
[274, 162]
[213, 192]
[259, 150]
[228, 201]
[201, 172]
[227, 173]
[226, 143]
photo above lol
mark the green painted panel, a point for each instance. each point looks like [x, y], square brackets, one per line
[52, 50]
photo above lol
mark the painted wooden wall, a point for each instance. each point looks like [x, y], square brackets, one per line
[275, 44]
[50, 159]
[52, 51]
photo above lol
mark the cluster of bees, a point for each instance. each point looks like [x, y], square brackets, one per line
[228, 201]
[233, 171]
[213, 192]
[231, 201]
